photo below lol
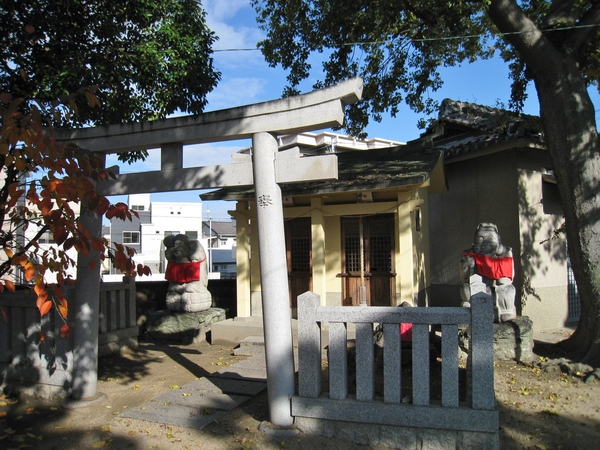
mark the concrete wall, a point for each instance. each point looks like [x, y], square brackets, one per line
[479, 190]
[544, 259]
[504, 188]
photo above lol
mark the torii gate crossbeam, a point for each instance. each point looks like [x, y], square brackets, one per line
[267, 167]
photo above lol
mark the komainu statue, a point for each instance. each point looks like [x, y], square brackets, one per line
[489, 264]
[187, 273]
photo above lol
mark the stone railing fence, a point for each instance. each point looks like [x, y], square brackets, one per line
[118, 316]
[368, 419]
[34, 358]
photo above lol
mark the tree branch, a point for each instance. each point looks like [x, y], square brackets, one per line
[580, 36]
[5, 266]
[523, 34]
[561, 12]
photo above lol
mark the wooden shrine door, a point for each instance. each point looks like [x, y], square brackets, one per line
[377, 237]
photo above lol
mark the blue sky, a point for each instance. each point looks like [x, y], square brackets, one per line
[247, 79]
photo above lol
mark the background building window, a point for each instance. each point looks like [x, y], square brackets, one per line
[192, 234]
[131, 237]
[46, 238]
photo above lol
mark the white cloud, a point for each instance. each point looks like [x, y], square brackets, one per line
[233, 22]
[237, 30]
[211, 154]
[234, 91]
[224, 9]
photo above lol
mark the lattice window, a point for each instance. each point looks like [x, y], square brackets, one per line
[352, 249]
[301, 248]
[381, 253]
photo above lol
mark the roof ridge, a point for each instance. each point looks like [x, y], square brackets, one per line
[481, 117]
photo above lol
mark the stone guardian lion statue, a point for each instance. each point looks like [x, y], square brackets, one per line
[490, 262]
[187, 273]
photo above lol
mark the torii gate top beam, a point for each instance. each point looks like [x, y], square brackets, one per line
[314, 110]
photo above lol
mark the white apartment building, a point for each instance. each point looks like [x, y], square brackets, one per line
[157, 220]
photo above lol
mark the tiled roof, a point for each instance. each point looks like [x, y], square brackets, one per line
[467, 128]
[360, 170]
[222, 228]
[463, 130]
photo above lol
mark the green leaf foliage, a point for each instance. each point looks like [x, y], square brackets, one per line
[143, 59]
[398, 46]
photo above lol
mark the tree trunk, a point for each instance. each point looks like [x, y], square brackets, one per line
[572, 138]
[568, 117]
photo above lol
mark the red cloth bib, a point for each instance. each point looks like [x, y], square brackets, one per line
[183, 272]
[406, 332]
[494, 268]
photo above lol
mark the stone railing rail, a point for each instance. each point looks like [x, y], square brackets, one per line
[477, 414]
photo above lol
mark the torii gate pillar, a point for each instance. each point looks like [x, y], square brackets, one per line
[274, 281]
[316, 110]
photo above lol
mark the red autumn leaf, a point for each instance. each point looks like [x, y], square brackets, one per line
[45, 206]
[53, 184]
[103, 205]
[45, 308]
[58, 294]
[120, 260]
[110, 213]
[9, 285]
[39, 287]
[19, 260]
[63, 311]
[29, 271]
[65, 331]
[97, 245]
[68, 244]
[60, 235]
[41, 299]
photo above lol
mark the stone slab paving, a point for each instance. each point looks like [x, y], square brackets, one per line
[198, 403]
[228, 386]
[178, 415]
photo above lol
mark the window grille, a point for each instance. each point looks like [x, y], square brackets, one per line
[301, 248]
[131, 237]
[381, 254]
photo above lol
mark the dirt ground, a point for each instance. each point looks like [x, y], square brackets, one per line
[538, 409]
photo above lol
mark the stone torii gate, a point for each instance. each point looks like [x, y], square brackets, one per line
[265, 168]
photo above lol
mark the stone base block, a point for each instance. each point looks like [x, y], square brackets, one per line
[513, 340]
[398, 436]
[182, 327]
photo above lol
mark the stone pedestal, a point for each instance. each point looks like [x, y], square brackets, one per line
[182, 327]
[513, 340]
